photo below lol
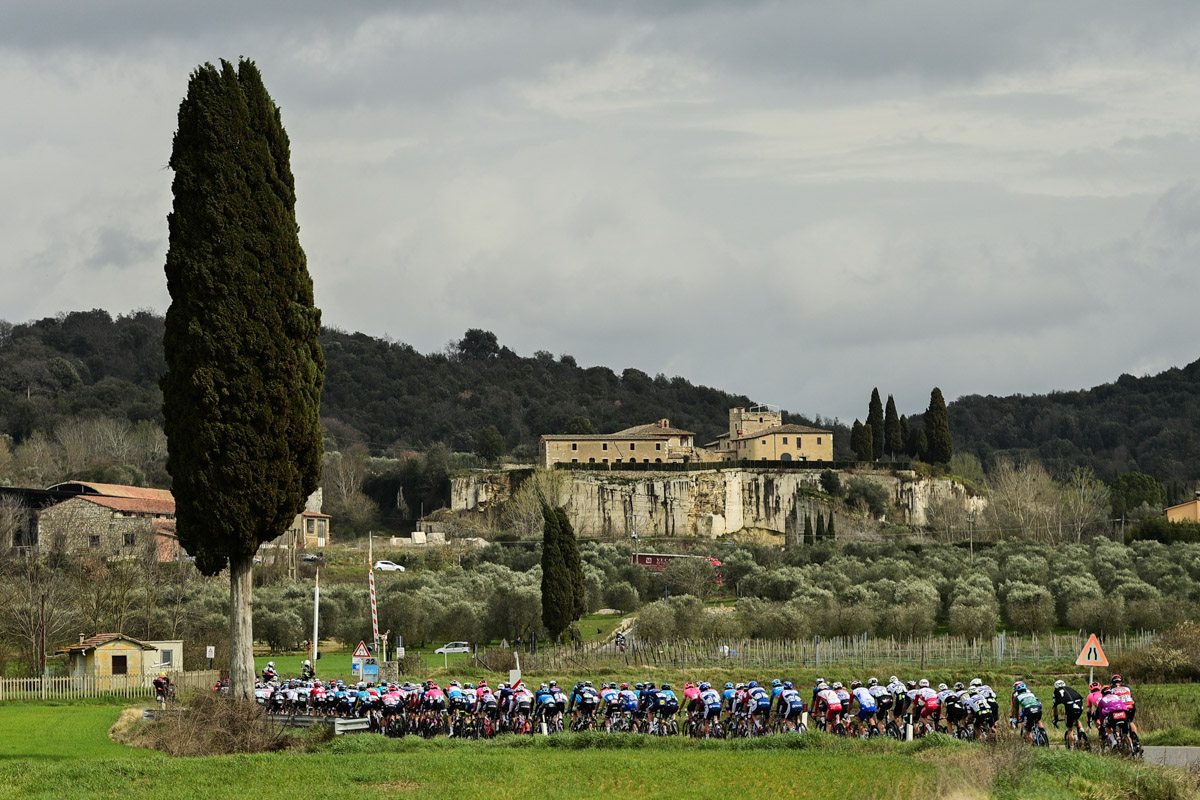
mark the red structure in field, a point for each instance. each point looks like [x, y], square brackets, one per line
[655, 562]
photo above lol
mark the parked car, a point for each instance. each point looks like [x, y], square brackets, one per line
[454, 647]
[310, 557]
[388, 566]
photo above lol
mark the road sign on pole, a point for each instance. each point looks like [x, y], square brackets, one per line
[1092, 655]
[362, 652]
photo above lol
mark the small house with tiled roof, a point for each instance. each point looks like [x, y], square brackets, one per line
[655, 443]
[107, 655]
[110, 521]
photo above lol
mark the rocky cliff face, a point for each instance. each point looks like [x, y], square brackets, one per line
[710, 503]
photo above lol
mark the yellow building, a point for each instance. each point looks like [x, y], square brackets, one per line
[758, 434]
[656, 443]
[1185, 512]
[107, 655]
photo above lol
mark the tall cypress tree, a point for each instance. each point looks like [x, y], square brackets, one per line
[830, 533]
[808, 529]
[820, 534]
[859, 443]
[867, 443]
[241, 395]
[570, 551]
[893, 440]
[939, 442]
[558, 601]
[905, 435]
[875, 423]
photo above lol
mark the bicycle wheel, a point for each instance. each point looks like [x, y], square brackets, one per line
[1081, 741]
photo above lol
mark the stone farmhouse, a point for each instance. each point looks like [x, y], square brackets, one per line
[755, 434]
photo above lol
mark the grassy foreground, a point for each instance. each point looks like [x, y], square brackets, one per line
[64, 751]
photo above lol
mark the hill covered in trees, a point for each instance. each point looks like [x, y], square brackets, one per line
[1144, 424]
[378, 392]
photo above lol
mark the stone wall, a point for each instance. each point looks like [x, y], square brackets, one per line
[708, 503]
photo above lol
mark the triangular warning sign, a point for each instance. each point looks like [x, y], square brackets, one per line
[1092, 655]
[362, 652]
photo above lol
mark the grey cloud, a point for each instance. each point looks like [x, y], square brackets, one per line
[118, 247]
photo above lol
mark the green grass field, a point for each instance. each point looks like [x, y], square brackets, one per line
[57, 751]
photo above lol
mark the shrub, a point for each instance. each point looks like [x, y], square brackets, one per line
[655, 622]
[831, 483]
[622, 596]
[1102, 616]
[218, 725]
[1173, 657]
[1029, 608]
[868, 495]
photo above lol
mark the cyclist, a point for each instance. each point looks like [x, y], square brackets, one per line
[610, 695]
[817, 690]
[1026, 708]
[983, 690]
[1092, 704]
[710, 704]
[667, 704]
[269, 674]
[925, 705]
[1072, 703]
[727, 697]
[758, 702]
[844, 695]
[587, 703]
[560, 701]
[433, 702]
[956, 706]
[544, 704]
[1122, 691]
[828, 706]
[1110, 711]
[161, 686]
[883, 701]
[776, 689]
[867, 710]
[306, 671]
[691, 699]
[629, 702]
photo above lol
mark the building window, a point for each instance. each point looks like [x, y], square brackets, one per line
[658, 445]
[604, 446]
[818, 440]
[574, 445]
[798, 443]
[658, 461]
[764, 441]
[591, 461]
[94, 541]
[618, 461]
[130, 539]
[604, 461]
[119, 665]
[167, 658]
[633, 445]
[645, 461]
[574, 460]
[785, 440]
[760, 419]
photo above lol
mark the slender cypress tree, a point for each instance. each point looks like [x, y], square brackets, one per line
[875, 423]
[241, 395]
[868, 444]
[570, 551]
[820, 534]
[808, 529]
[830, 533]
[558, 602]
[858, 441]
[905, 435]
[891, 429]
[938, 440]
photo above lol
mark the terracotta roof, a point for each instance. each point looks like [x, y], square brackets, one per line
[131, 505]
[117, 490]
[653, 429]
[780, 429]
[102, 638]
[307, 513]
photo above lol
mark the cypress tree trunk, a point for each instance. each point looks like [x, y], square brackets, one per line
[241, 627]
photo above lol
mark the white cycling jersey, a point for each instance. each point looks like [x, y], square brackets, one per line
[878, 690]
[866, 700]
[830, 697]
[896, 687]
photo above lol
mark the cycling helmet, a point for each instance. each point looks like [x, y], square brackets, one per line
[666, 686]
[729, 686]
[455, 683]
[872, 681]
[554, 683]
[587, 684]
[1020, 686]
[752, 684]
[543, 687]
[958, 686]
[649, 686]
[612, 685]
[976, 682]
[482, 682]
[1106, 689]
[777, 682]
[837, 684]
[924, 684]
[1095, 686]
[1059, 684]
[855, 684]
[639, 686]
[894, 679]
[912, 684]
[704, 687]
[1117, 679]
[270, 663]
[822, 685]
[578, 684]
[624, 685]
[787, 684]
[162, 674]
[822, 680]
[689, 685]
[741, 686]
[307, 663]
[943, 687]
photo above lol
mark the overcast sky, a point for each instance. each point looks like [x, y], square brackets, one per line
[795, 201]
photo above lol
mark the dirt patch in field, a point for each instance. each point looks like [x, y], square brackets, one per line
[127, 729]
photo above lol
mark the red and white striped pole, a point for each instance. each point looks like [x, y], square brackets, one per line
[374, 607]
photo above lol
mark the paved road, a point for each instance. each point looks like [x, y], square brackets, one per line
[1173, 756]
